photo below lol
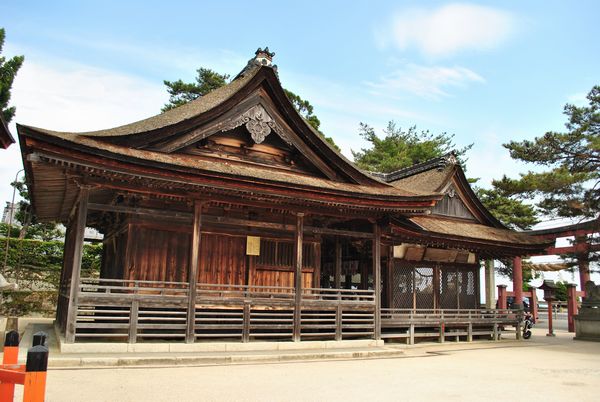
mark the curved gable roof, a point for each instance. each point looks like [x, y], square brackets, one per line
[149, 134]
[436, 175]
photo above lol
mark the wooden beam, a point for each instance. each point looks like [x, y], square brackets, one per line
[228, 220]
[140, 211]
[377, 277]
[339, 232]
[338, 264]
[190, 333]
[298, 276]
[77, 253]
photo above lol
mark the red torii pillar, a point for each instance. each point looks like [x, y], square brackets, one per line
[518, 283]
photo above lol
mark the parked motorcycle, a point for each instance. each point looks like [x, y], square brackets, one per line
[527, 325]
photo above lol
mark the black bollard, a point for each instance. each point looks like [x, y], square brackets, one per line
[11, 338]
[40, 338]
[37, 359]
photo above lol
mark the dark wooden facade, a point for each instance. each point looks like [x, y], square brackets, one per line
[230, 217]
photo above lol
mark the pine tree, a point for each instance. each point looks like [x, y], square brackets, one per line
[8, 71]
[570, 185]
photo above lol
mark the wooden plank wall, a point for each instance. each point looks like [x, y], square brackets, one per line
[222, 259]
[161, 253]
[157, 254]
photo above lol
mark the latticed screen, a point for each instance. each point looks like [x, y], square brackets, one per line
[434, 287]
[281, 254]
[402, 285]
[424, 290]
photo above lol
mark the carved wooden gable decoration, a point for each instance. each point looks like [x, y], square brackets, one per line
[453, 205]
[255, 133]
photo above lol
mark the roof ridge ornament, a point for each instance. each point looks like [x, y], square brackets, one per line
[262, 57]
[258, 123]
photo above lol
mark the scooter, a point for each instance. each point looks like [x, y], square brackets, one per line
[527, 325]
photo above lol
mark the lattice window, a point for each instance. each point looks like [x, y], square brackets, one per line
[281, 254]
[402, 291]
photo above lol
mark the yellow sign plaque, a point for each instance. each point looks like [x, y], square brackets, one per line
[252, 245]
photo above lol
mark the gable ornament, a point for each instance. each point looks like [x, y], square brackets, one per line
[258, 123]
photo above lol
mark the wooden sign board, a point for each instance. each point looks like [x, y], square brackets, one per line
[440, 255]
[252, 245]
[414, 253]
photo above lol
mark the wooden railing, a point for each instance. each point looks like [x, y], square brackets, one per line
[442, 323]
[132, 287]
[133, 310]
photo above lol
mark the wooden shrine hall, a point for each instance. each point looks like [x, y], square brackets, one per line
[230, 217]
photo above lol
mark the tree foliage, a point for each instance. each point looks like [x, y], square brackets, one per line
[35, 265]
[512, 212]
[570, 185]
[402, 148]
[8, 71]
[208, 80]
[181, 92]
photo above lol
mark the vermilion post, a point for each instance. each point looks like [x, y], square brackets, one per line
[11, 348]
[550, 330]
[518, 283]
[571, 306]
[35, 374]
[502, 297]
[11, 356]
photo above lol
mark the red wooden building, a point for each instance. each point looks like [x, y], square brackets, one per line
[231, 217]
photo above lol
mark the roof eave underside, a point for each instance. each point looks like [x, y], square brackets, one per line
[411, 231]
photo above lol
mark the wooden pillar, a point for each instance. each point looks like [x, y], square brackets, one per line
[533, 304]
[518, 283]
[377, 277]
[389, 282]
[75, 256]
[190, 333]
[299, 235]
[490, 285]
[436, 287]
[337, 278]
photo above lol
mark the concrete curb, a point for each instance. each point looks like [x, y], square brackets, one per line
[240, 358]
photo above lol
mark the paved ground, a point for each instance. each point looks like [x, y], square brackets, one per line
[541, 369]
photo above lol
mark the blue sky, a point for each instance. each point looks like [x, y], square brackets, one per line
[487, 72]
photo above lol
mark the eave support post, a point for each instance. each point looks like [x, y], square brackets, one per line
[78, 231]
[299, 238]
[190, 333]
[377, 278]
[490, 285]
[338, 264]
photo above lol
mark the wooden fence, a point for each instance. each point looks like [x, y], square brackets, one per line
[449, 323]
[137, 310]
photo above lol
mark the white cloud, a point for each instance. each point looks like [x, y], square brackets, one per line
[66, 96]
[578, 99]
[448, 29]
[429, 82]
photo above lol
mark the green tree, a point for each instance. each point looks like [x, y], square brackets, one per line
[570, 185]
[399, 149]
[512, 212]
[181, 92]
[208, 80]
[8, 71]
[402, 148]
